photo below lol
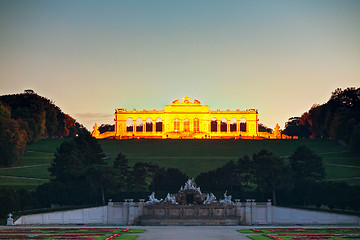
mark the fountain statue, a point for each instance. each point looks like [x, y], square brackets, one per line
[152, 199]
[210, 198]
[170, 199]
[227, 199]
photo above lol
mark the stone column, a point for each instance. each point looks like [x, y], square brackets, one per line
[237, 208]
[248, 217]
[154, 126]
[134, 126]
[144, 125]
[253, 209]
[131, 219]
[238, 125]
[228, 126]
[126, 212]
[269, 212]
[218, 125]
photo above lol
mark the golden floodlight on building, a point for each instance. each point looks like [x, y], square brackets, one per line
[184, 119]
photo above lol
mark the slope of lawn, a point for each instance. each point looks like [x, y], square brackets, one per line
[192, 156]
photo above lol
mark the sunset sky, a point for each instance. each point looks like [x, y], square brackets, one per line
[91, 57]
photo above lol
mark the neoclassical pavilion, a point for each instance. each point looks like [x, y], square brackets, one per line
[183, 119]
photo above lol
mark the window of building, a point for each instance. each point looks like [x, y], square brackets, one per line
[233, 125]
[139, 125]
[196, 125]
[149, 125]
[129, 125]
[186, 125]
[159, 125]
[223, 125]
[176, 125]
[243, 125]
[213, 125]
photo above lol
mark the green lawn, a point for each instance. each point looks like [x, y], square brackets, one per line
[70, 233]
[32, 171]
[34, 158]
[192, 156]
[18, 183]
[302, 233]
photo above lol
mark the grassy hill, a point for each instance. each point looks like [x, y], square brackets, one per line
[190, 156]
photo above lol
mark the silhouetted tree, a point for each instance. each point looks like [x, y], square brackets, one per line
[295, 127]
[78, 169]
[271, 173]
[244, 172]
[307, 166]
[106, 128]
[121, 172]
[308, 171]
[339, 118]
[138, 177]
[263, 128]
[170, 179]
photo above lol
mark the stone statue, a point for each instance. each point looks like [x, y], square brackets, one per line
[10, 220]
[189, 185]
[152, 199]
[170, 199]
[210, 198]
[277, 132]
[176, 102]
[197, 102]
[96, 132]
[227, 199]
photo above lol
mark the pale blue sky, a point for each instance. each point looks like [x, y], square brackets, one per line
[91, 57]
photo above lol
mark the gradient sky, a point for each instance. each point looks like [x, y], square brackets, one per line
[91, 57]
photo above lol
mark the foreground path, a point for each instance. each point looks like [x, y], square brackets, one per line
[191, 233]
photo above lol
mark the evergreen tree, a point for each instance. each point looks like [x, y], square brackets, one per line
[170, 179]
[271, 173]
[121, 172]
[245, 172]
[79, 171]
[307, 166]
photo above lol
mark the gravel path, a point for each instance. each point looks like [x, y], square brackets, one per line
[191, 233]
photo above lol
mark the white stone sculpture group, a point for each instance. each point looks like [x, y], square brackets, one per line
[189, 185]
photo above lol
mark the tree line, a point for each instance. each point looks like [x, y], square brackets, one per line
[80, 175]
[338, 118]
[298, 181]
[26, 117]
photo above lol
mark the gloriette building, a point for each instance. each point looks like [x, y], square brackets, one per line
[183, 119]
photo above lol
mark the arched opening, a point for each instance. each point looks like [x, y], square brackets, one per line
[139, 125]
[233, 125]
[129, 125]
[176, 125]
[149, 125]
[196, 125]
[242, 125]
[223, 125]
[213, 127]
[159, 125]
[186, 125]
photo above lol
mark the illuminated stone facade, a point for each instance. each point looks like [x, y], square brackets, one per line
[183, 119]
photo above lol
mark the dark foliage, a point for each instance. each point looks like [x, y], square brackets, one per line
[78, 172]
[170, 179]
[271, 173]
[339, 118]
[263, 128]
[220, 179]
[106, 128]
[26, 117]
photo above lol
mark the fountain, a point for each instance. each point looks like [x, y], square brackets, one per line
[189, 206]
